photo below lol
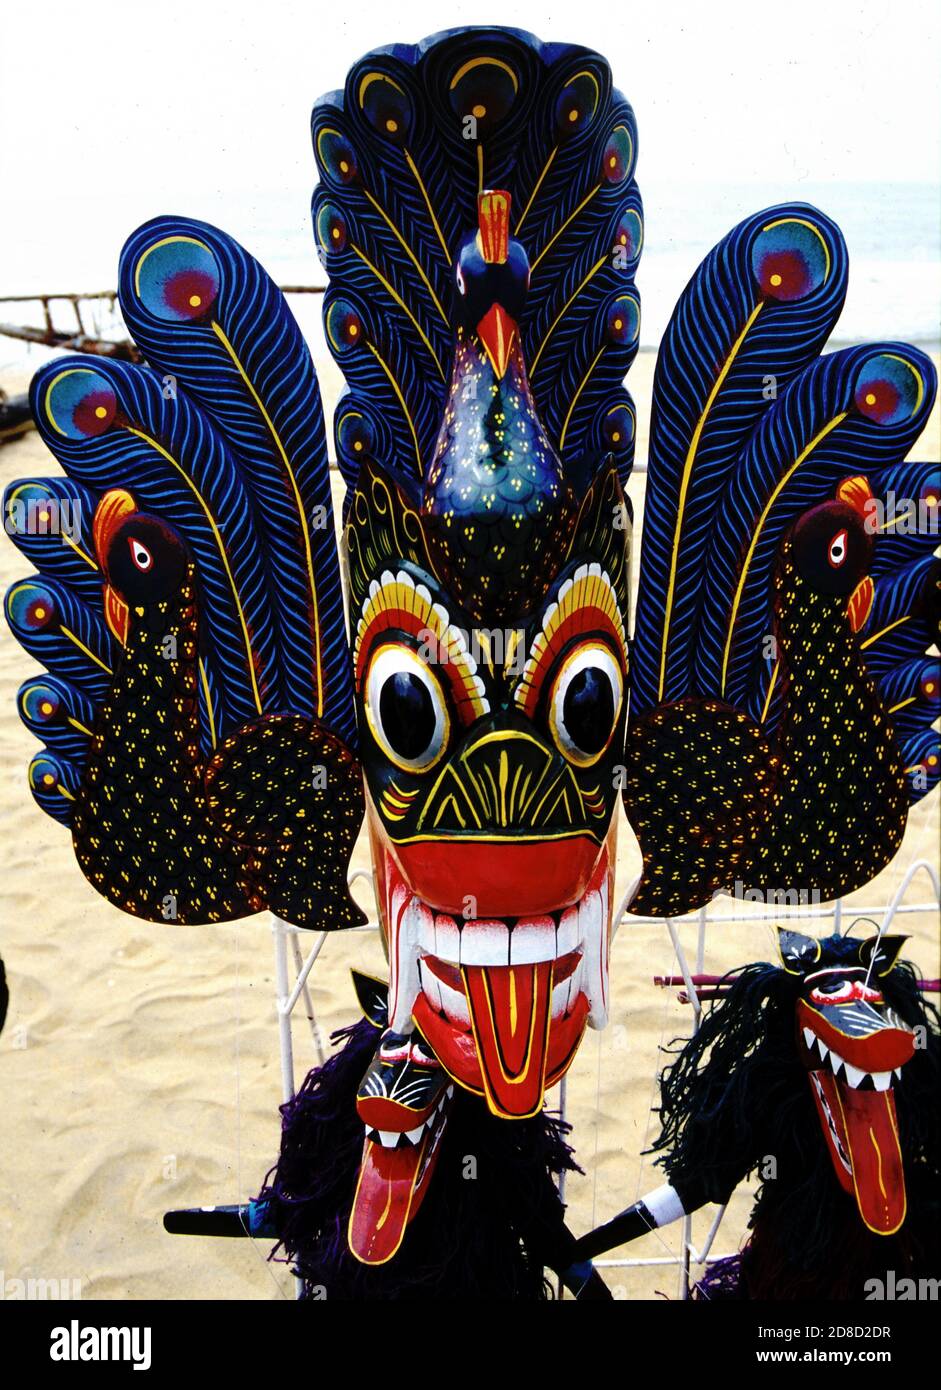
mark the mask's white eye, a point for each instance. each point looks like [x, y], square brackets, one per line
[140, 555]
[585, 702]
[405, 708]
[837, 552]
[459, 276]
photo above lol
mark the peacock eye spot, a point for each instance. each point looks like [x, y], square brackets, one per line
[407, 714]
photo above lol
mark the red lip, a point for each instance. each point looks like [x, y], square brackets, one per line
[506, 878]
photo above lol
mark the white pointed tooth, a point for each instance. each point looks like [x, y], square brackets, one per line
[485, 942]
[388, 1138]
[810, 1037]
[561, 995]
[823, 1049]
[404, 978]
[567, 932]
[447, 939]
[430, 985]
[634, 889]
[836, 1062]
[450, 1091]
[853, 1075]
[454, 1003]
[414, 1135]
[531, 940]
[882, 1080]
[593, 930]
[898, 1072]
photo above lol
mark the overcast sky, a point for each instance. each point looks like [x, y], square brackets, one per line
[112, 111]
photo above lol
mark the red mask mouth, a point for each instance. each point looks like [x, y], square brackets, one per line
[854, 1049]
[502, 1001]
[403, 1101]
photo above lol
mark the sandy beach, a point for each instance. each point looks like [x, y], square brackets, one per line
[139, 1065]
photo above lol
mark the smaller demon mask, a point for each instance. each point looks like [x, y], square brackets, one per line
[854, 1047]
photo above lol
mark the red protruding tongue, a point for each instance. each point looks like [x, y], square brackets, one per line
[509, 1009]
[384, 1198]
[868, 1130]
[872, 1135]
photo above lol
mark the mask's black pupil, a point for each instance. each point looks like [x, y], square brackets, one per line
[407, 714]
[588, 709]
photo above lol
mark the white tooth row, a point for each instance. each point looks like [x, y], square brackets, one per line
[881, 1080]
[417, 931]
[389, 1138]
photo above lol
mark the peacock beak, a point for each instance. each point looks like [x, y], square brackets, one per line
[497, 332]
[860, 603]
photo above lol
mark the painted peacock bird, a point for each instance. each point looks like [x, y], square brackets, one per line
[215, 731]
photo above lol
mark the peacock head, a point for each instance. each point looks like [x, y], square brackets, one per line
[145, 561]
[492, 278]
[831, 546]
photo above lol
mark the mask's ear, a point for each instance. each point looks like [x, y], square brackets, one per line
[382, 529]
[798, 953]
[373, 997]
[881, 954]
[603, 531]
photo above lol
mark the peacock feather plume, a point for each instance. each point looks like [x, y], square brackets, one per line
[403, 152]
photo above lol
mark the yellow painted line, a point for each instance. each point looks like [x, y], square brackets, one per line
[876, 635]
[536, 187]
[684, 487]
[581, 387]
[222, 551]
[555, 323]
[431, 212]
[305, 530]
[572, 215]
[208, 698]
[776, 491]
[67, 632]
[771, 685]
[401, 399]
[402, 305]
[407, 249]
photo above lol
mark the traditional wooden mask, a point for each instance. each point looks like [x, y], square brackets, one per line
[488, 613]
[854, 1048]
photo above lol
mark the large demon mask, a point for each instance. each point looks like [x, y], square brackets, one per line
[492, 718]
